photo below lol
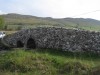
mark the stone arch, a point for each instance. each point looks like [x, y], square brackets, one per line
[31, 43]
[20, 44]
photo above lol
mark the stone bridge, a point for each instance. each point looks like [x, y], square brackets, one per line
[55, 38]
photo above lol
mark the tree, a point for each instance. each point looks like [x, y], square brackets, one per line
[1, 22]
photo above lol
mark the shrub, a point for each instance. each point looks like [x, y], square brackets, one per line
[74, 68]
[95, 71]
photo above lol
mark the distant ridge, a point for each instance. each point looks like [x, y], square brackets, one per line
[81, 23]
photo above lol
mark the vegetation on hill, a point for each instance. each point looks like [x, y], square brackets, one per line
[17, 22]
[48, 62]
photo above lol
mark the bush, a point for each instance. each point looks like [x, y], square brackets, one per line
[74, 68]
[1, 22]
[95, 71]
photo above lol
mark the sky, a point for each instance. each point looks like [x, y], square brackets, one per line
[53, 8]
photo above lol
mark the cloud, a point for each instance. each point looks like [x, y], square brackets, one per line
[1, 12]
[52, 8]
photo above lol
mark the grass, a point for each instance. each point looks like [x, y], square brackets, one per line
[47, 62]
[9, 32]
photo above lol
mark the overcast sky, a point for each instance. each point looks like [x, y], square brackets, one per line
[53, 8]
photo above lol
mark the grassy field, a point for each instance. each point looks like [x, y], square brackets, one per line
[48, 62]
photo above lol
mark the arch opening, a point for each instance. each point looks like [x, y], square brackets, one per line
[20, 44]
[31, 43]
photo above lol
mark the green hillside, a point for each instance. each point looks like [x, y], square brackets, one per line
[17, 22]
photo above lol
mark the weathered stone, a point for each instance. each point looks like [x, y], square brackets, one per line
[56, 38]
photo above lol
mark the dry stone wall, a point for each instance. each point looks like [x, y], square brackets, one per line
[55, 38]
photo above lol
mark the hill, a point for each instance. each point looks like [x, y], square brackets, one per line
[18, 21]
